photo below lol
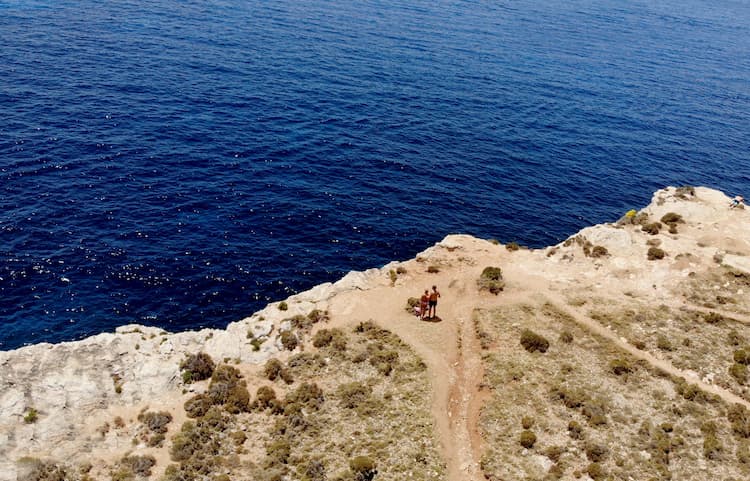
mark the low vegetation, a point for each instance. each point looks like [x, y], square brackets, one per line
[491, 280]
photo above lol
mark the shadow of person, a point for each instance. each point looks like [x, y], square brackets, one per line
[432, 319]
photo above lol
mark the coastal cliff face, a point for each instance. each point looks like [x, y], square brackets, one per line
[643, 374]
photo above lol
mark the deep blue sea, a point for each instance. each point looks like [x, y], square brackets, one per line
[182, 163]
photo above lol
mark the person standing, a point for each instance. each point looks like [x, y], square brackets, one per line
[434, 295]
[423, 303]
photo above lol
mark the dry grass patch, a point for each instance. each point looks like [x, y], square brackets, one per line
[592, 409]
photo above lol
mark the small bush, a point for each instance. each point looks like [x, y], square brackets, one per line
[672, 218]
[566, 337]
[663, 343]
[652, 228]
[139, 465]
[596, 452]
[411, 303]
[685, 192]
[289, 340]
[599, 251]
[713, 317]
[31, 416]
[272, 369]
[363, 468]
[197, 405]
[512, 246]
[335, 338]
[491, 280]
[527, 439]
[393, 276]
[401, 270]
[620, 366]
[739, 417]
[265, 397]
[155, 421]
[283, 306]
[433, 269]
[654, 253]
[575, 430]
[353, 394]
[308, 394]
[739, 372]
[742, 356]
[316, 316]
[527, 422]
[197, 367]
[533, 342]
[595, 471]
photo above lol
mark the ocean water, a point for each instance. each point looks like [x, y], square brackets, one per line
[182, 163]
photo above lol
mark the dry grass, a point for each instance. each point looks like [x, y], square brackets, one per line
[593, 409]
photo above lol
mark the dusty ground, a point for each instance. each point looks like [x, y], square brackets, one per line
[674, 322]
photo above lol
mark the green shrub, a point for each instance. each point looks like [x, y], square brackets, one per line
[307, 394]
[595, 452]
[712, 447]
[685, 192]
[139, 465]
[491, 280]
[527, 439]
[31, 416]
[512, 246]
[672, 218]
[316, 316]
[620, 366]
[575, 430]
[599, 251]
[288, 340]
[155, 421]
[566, 337]
[652, 228]
[654, 253]
[742, 356]
[433, 269]
[278, 452]
[739, 372]
[713, 317]
[353, 394]
[739, 417]
[283, 306]
[197, 367]
[663, 343]
[227, 388]
[527, 422]
[265, 397]
[363, 468]
[595, 471]
[401, 270]
[533, 342]
[272, 369]
[197, 405]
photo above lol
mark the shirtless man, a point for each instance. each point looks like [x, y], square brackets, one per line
[433, 302]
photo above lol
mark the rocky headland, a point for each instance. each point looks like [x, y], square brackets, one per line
[620, 353]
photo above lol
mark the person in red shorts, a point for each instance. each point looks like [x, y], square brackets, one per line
[423, 303]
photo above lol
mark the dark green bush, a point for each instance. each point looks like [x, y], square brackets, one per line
[227, 388]
[265, 397]
[512, 246]
[283, 306]
[566, 337]
[654, 253]
[197, 367]
[527, 422]
[533, 342]
[527, 439]
[595, 471]
[742, 356]
[197, 405]
[307, 394]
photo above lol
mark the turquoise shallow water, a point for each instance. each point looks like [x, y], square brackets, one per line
[182, 163]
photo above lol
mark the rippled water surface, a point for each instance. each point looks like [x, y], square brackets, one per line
[182, 163]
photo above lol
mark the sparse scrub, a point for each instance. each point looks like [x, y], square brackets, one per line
[533, 342]
[491, 280]
[353, 394]
[155, 421]
[686, 192]
[527, 422]
[138, 465]
[663, 343]
[620, 366]
[652, 228]
[433, 269]
[738, 372]
[739, 417]
[283, 306]
[31, 416]
[333, 338]
[566, 337]
[512, 246]
[596, 452]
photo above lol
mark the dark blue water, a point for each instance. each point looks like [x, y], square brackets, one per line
[181, 163]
